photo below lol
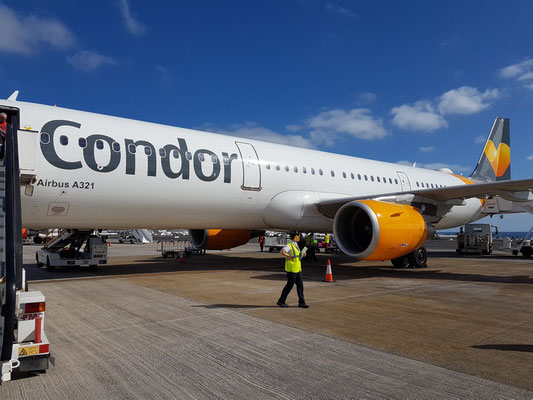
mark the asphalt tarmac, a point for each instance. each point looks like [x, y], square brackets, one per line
[148, 327]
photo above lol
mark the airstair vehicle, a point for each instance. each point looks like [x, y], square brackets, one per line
[24, 346]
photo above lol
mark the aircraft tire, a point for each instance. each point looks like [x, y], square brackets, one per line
[418, 258]
[400, 262]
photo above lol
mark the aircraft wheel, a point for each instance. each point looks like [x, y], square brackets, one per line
[526, 252]
[418, 258]
[93, 267]
[400, 262]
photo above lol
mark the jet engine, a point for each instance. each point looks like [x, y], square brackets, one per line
[219, 239]
[376, 230]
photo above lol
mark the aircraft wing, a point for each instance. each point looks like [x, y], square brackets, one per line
[514, 190]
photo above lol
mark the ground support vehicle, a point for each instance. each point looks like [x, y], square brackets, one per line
[524, 246]
[476, 239]
[177, 247]
[73, 247]
[275, 243]
[24, 346]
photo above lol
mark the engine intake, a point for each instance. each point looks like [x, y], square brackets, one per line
[219, 239]
[376, 230]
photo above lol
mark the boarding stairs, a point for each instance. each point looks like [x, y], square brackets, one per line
[23, 343]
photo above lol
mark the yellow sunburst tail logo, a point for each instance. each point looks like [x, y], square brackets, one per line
[495, 161]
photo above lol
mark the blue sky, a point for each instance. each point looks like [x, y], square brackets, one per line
[398, 81]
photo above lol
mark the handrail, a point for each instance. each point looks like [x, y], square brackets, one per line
[10, 210]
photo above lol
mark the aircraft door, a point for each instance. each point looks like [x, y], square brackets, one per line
[404, 180]
[251, 167]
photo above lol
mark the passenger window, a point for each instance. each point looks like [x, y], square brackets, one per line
[321, 172]
[63, 140]
[359, 176]
[268, 166]
[344, 175]
[188, 156]
[332, 173]
[352, 175]
[377, 177]
[82, 142]
[304, 170]
[417, 184]
[384, 180]
[396, 181]
[214, 159]
[132, 149]
[176, 154]
[390, 181]
[162, 152]
[295, 168]
[372, 178]
[147, 150]
[99, 144]
[286, 168]
[225, 160]
[277, 167]
[312, 171]
[45, 138]
[366, 178]
[116, 147]
[201, 157]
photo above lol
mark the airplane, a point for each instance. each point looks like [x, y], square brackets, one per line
[82, 170]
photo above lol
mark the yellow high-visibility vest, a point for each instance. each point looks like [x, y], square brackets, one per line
[293, 265]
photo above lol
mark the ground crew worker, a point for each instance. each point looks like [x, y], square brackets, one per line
[293, 267]
[310, 244]
[262, 242]
[326, 239]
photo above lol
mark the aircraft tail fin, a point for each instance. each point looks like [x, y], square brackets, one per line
[495, 161]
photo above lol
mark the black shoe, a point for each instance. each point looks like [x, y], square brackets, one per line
[279, 303]
[303, 305]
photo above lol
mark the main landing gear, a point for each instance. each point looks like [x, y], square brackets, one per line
[415, 259]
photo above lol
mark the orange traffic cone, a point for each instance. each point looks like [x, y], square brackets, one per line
[181, 257]
[329, 275]
[109, 244]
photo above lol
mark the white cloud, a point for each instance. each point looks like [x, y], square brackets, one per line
[356, 122]
[26, 35]
[367, 98]
[426, 149]
[293, 128]
[251, 130]
[166, 75]
[530, 157]
[336, 9]
[522, 72]
[437, 166]
[88, 61]
[419, 117]
[517, 70]
[466, 100]
[480, 139]
[130, 19]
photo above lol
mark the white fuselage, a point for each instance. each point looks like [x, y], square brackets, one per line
[88, 176]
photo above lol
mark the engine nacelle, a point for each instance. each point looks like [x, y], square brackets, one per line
[219, 239]
[376, 230]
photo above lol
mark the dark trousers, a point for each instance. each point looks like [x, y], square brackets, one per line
[293, 278]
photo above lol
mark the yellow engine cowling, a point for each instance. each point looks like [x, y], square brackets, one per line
[376, 230]
[219, 239]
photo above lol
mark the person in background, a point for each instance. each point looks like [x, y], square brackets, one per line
[310, 244]
[293, 267]
[261, 242]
